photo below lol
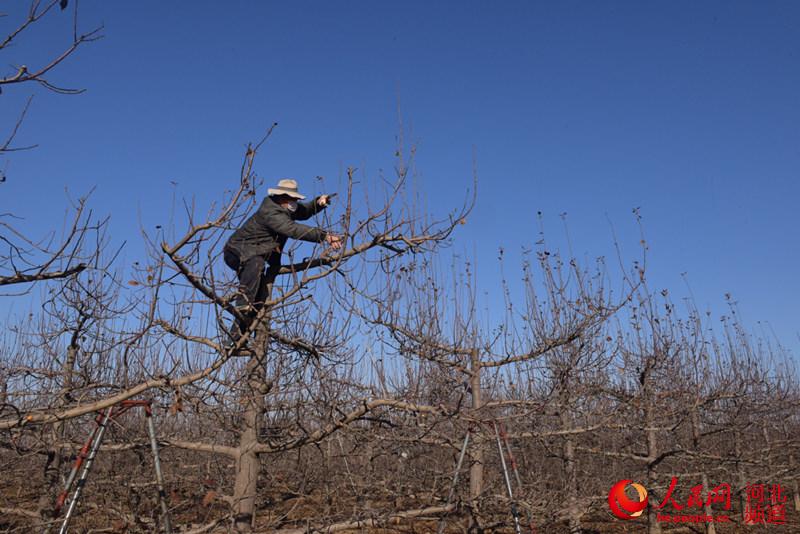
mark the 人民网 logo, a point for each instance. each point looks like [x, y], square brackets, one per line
[624, 507]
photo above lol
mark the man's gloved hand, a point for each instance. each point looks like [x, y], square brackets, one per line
[323, 200]
[335, 241]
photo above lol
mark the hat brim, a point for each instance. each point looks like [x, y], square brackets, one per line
[293, 194]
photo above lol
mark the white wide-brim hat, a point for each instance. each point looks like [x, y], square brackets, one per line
[286, 187]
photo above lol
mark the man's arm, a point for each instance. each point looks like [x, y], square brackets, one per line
[284, 225]
[306, 210]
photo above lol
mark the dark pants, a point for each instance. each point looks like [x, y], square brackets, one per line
[252, 282]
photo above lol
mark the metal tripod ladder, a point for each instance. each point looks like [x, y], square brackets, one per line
[499, 433]
[87, 454]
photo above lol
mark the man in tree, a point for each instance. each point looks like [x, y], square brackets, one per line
[262, 238]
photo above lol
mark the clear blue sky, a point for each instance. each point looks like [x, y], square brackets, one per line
[690, 111]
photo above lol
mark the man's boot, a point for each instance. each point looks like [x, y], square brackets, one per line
[238, 327]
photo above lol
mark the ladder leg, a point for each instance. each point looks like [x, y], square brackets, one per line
[84, 452]
[463, 453]
[85, 472]
[514, 511]
[62, 497]
[515, 469]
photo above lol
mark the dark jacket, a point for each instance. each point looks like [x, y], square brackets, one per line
[266, 231]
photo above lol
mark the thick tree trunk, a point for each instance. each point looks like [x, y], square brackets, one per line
[710, 528]
[52, 468]
[742, 476]
[476, 469]
[653, 526]
[571, 472]
[794, 469]
[248, 464]
[795, 487]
